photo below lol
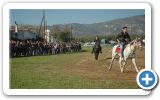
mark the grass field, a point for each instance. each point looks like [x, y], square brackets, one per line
[72, 71]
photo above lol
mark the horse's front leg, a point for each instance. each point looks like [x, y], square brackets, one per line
[120, 64]
[123, 65]
[110, 66]
[135, 65]
[96, 56]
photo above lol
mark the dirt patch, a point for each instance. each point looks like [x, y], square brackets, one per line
[88, 67]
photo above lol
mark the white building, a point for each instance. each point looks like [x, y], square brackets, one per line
[47, 35]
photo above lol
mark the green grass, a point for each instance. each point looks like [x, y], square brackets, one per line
[74, 70]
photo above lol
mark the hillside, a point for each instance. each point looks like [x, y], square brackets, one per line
[135, 24]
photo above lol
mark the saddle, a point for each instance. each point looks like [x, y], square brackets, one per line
[118, 49]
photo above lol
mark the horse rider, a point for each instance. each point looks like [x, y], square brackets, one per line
[97, 47]
[97, 43]
[123, 39]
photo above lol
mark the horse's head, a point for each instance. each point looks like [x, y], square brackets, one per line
[133, 44]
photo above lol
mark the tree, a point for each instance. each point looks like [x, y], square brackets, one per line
[67, 33]
[56, 31]
[64, 36]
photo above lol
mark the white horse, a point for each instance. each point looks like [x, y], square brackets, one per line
[129, 50]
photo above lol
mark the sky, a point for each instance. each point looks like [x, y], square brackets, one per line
[65, 16]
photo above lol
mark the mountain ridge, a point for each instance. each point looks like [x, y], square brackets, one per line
[135, 24]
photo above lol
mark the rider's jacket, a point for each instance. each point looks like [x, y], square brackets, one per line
[123, 37]
[97, 42]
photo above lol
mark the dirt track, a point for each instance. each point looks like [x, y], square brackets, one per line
[89, 67]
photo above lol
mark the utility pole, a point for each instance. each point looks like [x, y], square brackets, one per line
[44, 23]
[71, 33]
[42, 26]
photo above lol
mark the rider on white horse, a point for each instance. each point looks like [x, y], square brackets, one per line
[123, 38]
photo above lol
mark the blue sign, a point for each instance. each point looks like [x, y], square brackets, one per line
[147, 79]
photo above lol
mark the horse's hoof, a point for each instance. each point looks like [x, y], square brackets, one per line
[122, 71]
[109, 68]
